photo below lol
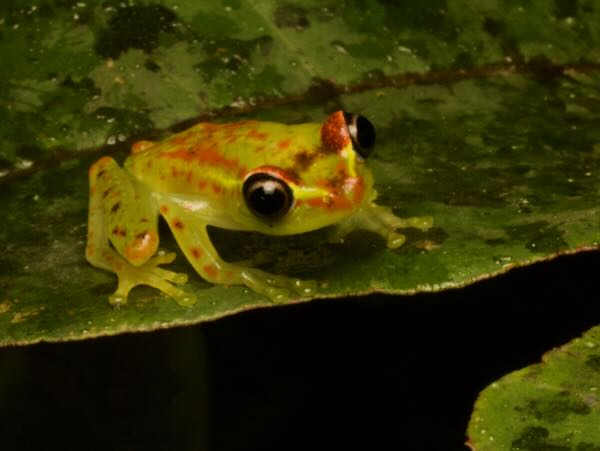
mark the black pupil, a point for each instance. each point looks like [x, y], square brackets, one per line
[267, 202]
[365, 132]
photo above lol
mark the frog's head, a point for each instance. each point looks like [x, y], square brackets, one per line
[320, 180]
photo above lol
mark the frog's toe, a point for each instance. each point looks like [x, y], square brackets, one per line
[277, 294]
[117, 300]
[184, 298]
[305, 288]
[162, 259]
[395, 240]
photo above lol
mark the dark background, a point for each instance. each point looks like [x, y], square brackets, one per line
[376, 372]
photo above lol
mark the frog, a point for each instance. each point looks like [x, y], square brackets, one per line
[249, 175]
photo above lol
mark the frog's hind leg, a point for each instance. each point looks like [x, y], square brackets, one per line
[123, 234]
[191, 234]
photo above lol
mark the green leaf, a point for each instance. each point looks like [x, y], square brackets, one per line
[553, 405]
[486, 116]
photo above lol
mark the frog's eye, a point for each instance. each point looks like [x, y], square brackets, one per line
[267, 196]
[362, 133]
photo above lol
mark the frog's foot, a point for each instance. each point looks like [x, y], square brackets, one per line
[277, 288]
[150, 274]
[387, 223]
[383, 222]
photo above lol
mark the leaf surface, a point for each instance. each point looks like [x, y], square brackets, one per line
[486, 116]
[553, 405]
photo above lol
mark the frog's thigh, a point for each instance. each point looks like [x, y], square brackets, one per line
[124, 210]
[109, 184]
[192, 237]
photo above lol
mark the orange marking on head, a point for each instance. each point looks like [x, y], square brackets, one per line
[284, 144]
[92, 191]
[216, 188]
[258, 149]
[89, 250]
[211, 271]
[202, 184]
[177, 223]
[189, 176]
[196, 252]
[357, 187]
[334, 132]
[164, 209]
[174, 172]
[331, 202]
[142, 247]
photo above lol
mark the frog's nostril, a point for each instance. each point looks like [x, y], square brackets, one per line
[362, 133]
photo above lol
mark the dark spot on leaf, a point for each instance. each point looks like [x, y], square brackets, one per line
[493, 27]
[495, 241]
[430, 17]
[539, 236]
[29, 152]
[137, 27]
[593, 362]
[101, 173]
[555, 408]
[463, 60]
[85, 86]
[291, 16]
[583, 446]
[151, 66]
[535, 438]
[566, 8]
[230, 53]
[106, 192]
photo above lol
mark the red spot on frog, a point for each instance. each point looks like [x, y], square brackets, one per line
[164, 209]
[334, 132]
[196, 252]
[177, 224]
[284, 144]
[211, 271]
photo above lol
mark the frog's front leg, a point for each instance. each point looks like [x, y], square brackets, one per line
[190, 232]
[123, 214]
[382, 221]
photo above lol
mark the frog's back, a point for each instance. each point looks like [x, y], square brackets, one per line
[215, 157]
